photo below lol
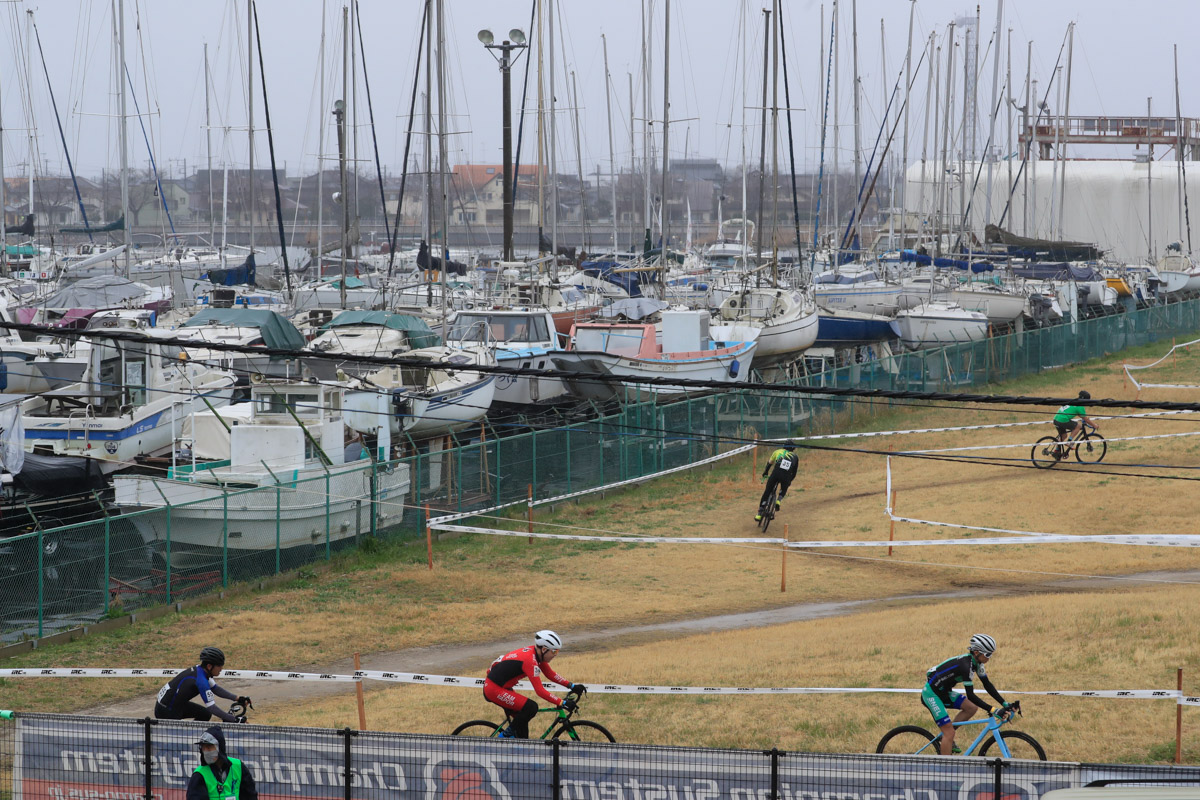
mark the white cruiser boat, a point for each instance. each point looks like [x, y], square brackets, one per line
[130, 404]
[939, 323]
[267, 474]
[519, 338]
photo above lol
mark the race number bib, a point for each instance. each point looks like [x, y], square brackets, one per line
[785, 463]
[163, 691]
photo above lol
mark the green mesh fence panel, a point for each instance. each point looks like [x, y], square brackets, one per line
[63, 577]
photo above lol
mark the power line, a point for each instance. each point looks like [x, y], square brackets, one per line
[133, 337]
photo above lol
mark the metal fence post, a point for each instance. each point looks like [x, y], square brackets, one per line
[148, 762]
[567, 431]
[998, 764]
[107, 560]
[277, 506]
[41, 547]
[168, 554]
[375, 497]
[555, 770]
[328, 555]
[534, 440]
[774, 754]
[225, 537]
[347, 759]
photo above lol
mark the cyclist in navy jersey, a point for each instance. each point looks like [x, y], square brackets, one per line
[175, 698]
[937, 695]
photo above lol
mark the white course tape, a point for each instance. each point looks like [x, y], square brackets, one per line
[563, 497]
[1031, 444]
[626, 539]
[1139, 386]
[1145, 540]
[460, 681]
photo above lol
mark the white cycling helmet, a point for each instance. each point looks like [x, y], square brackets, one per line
[548, 639]
[983, 644]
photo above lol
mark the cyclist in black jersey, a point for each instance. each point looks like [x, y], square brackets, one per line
[937, 695]
[175, 698]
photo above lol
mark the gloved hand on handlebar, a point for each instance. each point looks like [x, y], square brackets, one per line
[578, 688]
[245, 701]
[569, 704]
[242, 719]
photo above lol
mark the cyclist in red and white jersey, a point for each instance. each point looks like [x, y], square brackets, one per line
[532, 663]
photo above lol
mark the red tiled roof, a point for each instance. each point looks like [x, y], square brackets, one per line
[476, 176]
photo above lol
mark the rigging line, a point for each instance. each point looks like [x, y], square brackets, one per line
[787, 101]
[812, 265]
[62, 136]
[407, 142]
[153, 166]
[1029, 141]
[521, 122]
[262, 71]
[362, 49]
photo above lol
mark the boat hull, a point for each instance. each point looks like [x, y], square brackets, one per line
[849, 329]
[732, 367]
[923, 328]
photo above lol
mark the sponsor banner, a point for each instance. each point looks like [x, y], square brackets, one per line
[79, 758]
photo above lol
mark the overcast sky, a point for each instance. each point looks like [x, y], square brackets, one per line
[1122, 55]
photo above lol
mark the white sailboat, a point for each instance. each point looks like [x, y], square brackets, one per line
[786, 319]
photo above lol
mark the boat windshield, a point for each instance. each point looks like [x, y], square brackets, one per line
[500, 328]
[615, 340]
[571, 294]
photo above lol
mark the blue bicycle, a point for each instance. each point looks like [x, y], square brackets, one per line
[915, 740]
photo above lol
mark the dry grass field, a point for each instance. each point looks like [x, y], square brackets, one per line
[1055, 632]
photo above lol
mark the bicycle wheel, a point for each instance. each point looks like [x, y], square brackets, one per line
[1042, 454]
[580, 730]
[769, 512]
[1091, 449]
[476, 727]
[907, 740]
[1021, 745]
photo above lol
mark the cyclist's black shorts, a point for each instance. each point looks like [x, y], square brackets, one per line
[187, 710]
[1066, 427]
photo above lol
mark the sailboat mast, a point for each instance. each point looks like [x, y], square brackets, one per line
[341, 120]
[1180, 177]
[666, 218]
[912, 6]
[775, 144]
[29, 94]
[612, 161]
[945, 164]
[1149, 184]
[1066, 115]
[587, 243]
[212, 219]
[632, 167]
[249, 110]
[541, 129]
[321, 151]
[762, 138]
[647, 212]
[987, 214]
[124, 138]
[857, 103]
[553, 152]
[441, 89]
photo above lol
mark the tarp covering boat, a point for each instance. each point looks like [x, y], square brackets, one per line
[416, 329]
[633, 308]
[913, 257]
[118, 225]
[238, 276]
[276, 331]
[1057, 271]
[59, 476]
[1026, 247]
[100, 291]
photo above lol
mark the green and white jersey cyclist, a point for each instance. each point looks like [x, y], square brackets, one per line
[1064, 418]
[938, 696]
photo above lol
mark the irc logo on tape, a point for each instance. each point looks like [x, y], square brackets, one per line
[388, 675]
[419, 678]
[108, 672]
[16, 672]
[449, 679]
[1124, 694]
[295, 675]
[326, 677]
[262, 674]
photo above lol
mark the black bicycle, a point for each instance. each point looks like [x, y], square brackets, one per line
[768, 513]
[1089, 447]
[564, 725]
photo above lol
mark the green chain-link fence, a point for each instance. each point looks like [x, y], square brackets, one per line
[64, 577]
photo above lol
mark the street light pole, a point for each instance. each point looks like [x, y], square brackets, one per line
[505, 60]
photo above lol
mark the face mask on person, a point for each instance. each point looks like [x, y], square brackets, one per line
[209, 754]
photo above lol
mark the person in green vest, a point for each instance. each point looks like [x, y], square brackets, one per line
[219, 777]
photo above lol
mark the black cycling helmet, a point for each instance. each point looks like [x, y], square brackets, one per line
[789, 445]
[1085, 395]
[212, 655]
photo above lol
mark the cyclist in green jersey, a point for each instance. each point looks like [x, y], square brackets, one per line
[1064, 420]
[782, 467]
